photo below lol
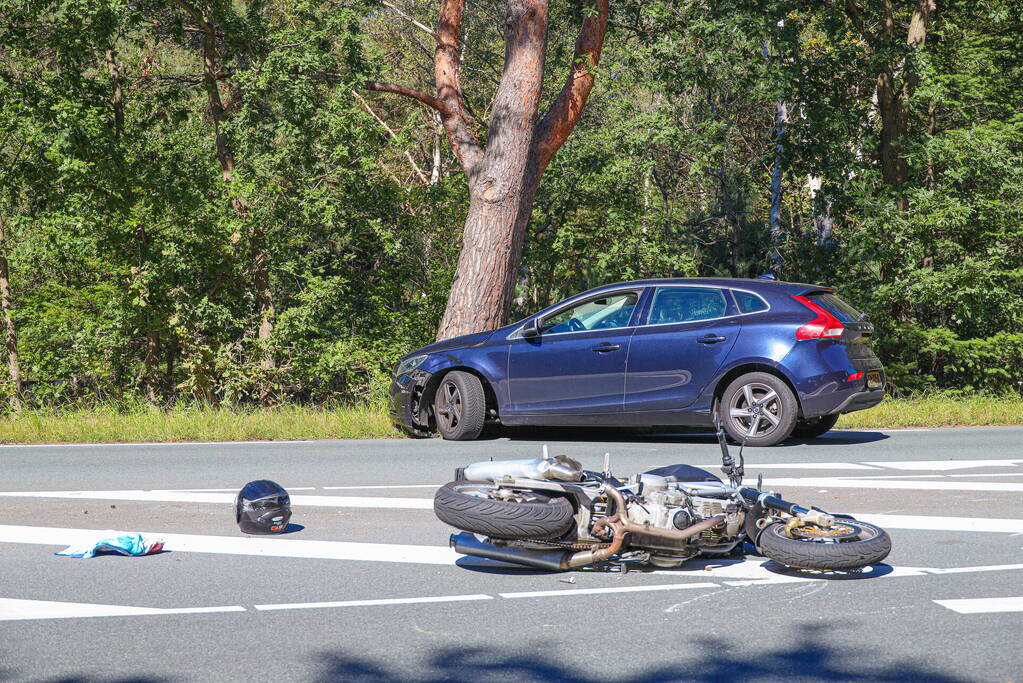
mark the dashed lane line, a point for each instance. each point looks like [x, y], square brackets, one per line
[374, 603]
[15, 610]
[983, 605]
[611, 589]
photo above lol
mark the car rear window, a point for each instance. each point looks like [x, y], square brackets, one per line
[686, 304]
[749, 302]
[835, 306]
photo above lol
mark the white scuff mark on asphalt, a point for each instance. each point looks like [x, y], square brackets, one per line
[677, 607]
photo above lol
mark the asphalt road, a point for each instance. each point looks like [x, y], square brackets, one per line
[365, 588]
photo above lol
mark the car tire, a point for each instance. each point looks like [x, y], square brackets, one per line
[814, 426]
[459, 406]
[759, 409]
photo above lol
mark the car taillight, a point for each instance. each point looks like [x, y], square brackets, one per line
[824, 326]
[853, 377]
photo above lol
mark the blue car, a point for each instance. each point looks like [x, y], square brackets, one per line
[774, 359]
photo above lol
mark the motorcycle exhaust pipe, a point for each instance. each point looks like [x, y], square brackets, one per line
[551, 560]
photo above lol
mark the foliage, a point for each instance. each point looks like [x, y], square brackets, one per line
[133, 273]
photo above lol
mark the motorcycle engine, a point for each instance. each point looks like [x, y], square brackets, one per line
[674, 506]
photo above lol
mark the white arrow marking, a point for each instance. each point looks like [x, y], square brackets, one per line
[12, 610]
[983, 605]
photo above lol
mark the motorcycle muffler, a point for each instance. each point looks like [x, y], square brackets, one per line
[551, 560]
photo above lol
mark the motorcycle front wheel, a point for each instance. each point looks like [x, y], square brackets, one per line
[483, 508]
[859, 545]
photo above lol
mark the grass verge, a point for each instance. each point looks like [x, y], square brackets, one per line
[195, 423]
[938, 410]
[143, 422]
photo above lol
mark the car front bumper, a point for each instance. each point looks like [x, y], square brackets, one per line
[405, 395]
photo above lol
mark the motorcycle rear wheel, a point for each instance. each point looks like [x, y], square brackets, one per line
[870, 545]
[478, 507]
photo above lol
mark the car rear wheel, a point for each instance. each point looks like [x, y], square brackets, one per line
[459, 406]
[759, 409]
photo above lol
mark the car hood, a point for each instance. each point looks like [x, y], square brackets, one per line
[466, 340]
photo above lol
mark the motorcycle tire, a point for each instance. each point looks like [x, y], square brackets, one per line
[814, 427]
[470, 506]
[870, 547]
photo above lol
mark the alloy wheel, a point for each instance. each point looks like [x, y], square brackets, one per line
[756, 410]
[448, 406]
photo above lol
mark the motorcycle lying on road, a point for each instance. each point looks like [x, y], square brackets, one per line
[550, 513]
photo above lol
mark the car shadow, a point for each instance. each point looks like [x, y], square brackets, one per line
[838, 437]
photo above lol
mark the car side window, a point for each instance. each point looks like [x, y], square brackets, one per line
[596, 314]
[686, 304]
[749, 303]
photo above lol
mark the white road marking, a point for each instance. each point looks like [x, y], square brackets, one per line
[12, 610]
[929, 523]
[242, 545]
[970, 570]
[884, 483]
[942, 465]
[612, 589]
[389, 486]
[374, 603]
[180, 496]
[983, 605]
[811, 466]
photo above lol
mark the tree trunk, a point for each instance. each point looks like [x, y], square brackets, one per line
[10, 333]
[503, 180]
[117, 98]
[259, 258]
[491, 242]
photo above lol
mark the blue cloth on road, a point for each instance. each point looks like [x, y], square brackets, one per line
[129, 544]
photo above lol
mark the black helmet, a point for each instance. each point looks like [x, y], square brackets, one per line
[262, 507]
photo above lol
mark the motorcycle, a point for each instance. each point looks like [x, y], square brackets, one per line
[550, 513]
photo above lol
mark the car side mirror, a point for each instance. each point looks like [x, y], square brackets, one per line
[531, 330]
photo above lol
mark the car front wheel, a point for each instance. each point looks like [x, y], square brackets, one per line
[459, 406]
[759, 409]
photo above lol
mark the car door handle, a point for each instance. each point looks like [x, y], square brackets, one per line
[711, 339]
[605, 347]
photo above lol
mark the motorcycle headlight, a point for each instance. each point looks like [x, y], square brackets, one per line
[409, 364]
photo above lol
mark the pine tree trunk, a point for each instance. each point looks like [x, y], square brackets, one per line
[10, 333]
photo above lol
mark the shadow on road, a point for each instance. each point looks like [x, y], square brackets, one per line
[839, 437]
[809, 657]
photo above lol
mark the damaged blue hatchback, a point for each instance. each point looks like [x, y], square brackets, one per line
[775, 359]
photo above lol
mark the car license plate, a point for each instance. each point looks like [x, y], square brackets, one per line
[874, 380]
